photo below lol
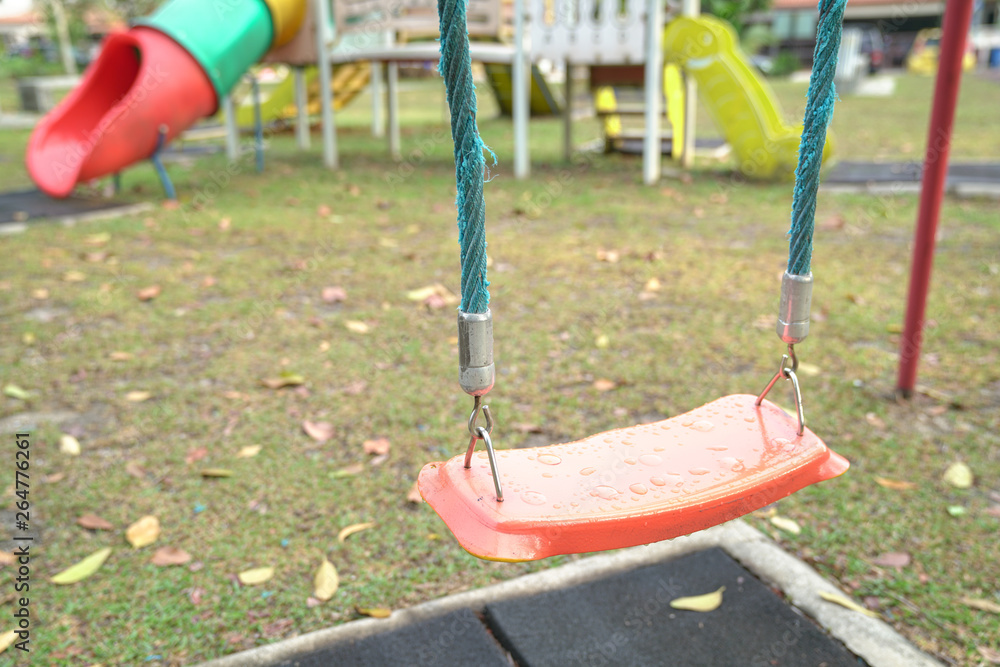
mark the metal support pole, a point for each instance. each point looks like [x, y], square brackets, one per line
[521, 95]
[323, 38]
[690, 8]
[651, 148]
[302, 107]
[258, 125]
[232, 129]
[161, 171]
[958, 14]
[378, 120]
[568, 115]
[393, 109]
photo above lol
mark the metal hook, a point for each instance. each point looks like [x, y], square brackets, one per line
[483, 433]
[789, 373]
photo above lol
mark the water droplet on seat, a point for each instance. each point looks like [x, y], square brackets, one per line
[638, 488]
[650, 459]
[605, 492]
[699, 471]
[533, 498]
[588, 471]
[657, 481]
[703, 426]
[549, 459]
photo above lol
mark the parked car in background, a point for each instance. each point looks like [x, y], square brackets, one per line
[923, 58]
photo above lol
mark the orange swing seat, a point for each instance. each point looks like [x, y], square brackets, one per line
[629, 486]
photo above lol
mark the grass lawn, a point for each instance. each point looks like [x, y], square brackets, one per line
[241, 281]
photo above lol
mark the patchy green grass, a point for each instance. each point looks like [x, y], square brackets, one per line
[243, 302]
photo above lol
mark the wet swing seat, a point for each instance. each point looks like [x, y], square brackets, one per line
[629, 486]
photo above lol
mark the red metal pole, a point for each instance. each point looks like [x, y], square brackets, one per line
[957, 17]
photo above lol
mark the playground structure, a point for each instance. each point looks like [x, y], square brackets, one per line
[129, 106]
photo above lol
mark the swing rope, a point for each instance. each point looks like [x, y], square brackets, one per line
[819, 110]
[470, 164]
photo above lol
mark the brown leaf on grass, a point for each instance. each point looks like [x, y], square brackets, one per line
[609, 256]
[355, 388]
[990, 655]
[225, 223]
[74, 276]
[148, 293]
[786, 524]
[135, 470]
[323, 210]
[138, 396]
[143, 532]
[196, 454]
[602, 385]
[8, 638]
[357, 326]
[377, 446]
[353, 528]
[7, 558]
[97, 239]
[208, 281]
[312, 602]
[897, 559]
[120, 356]
[53, 478]
[318, 431]
[94, 522]
[894, 484]
[375, 612]
[248, 452]
[875, 420]
[195, 595]
[522, 427]
[982, 605]
[277, 628]
[847, 603]
[334, 294]
[216, 472]
[413, 495]
[170, 556]
[348, 471]
[283, 380]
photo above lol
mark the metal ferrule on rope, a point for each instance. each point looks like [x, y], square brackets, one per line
[793, 312]
[476, 370]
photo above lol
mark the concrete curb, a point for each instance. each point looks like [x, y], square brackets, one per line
[873, 640]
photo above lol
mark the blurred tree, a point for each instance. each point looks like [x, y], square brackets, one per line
[735, 12]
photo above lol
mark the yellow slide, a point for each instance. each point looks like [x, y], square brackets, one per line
[742, 105]
[348, 80]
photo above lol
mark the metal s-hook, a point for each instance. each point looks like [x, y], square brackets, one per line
[483, 433]
[789, 373]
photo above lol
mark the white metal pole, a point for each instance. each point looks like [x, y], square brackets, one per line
[323, 38]
[393, 104]
[375, 86]
[232, 129]
[521, 95]
[302, 107]
[651, 148]
[690, 8]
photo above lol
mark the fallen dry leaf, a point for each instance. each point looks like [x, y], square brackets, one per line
[53, 478]
[283, 380]
[69, 445]
[353, 528]
[326, 581]
[6, 639]
[875, 420]
[378, 446]
[982, 605]
[255, 576]
[609, 256]
[375, 612]
[148, 293]
[318, 431]
[357, 326]
[74, 276]
[138, 396]
[143, 532]
[118, 355]
[413, 495]
[248, 452]
[15, 391]
[94, 522]
[136, 470]
[652, 285]
[83, 569]
[706, 602]
[603, 385]
[7, 558]
[896, 559]
[97, 239]
[991, 656]
[348, 471]
[847, 603]
[895, 485]
[786, 524]
[216, 472]
[170, 556]
[435, 296]
[958, 475]
[334, 294]
[196, 454]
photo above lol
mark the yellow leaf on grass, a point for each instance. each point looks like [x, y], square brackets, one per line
[602, 385]
[375, 612]
[326, 581]
[284, 380]
[255, 576]
[846, 602]
[706, 602]
[357, 326]
[74, 276]
[216, 472]
[786, 524]
[83, 569]
[120, 356]
[14, 391]
[69, 445]
[894, 484]
[348, 471]
[249, 452]
[143, 532]
[138, 396]
[982, 605]
[97, 239]
[353, 528]
[958, 475]
[6, 639]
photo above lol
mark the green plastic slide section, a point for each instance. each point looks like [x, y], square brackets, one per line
[742, 105]
[226, 37]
